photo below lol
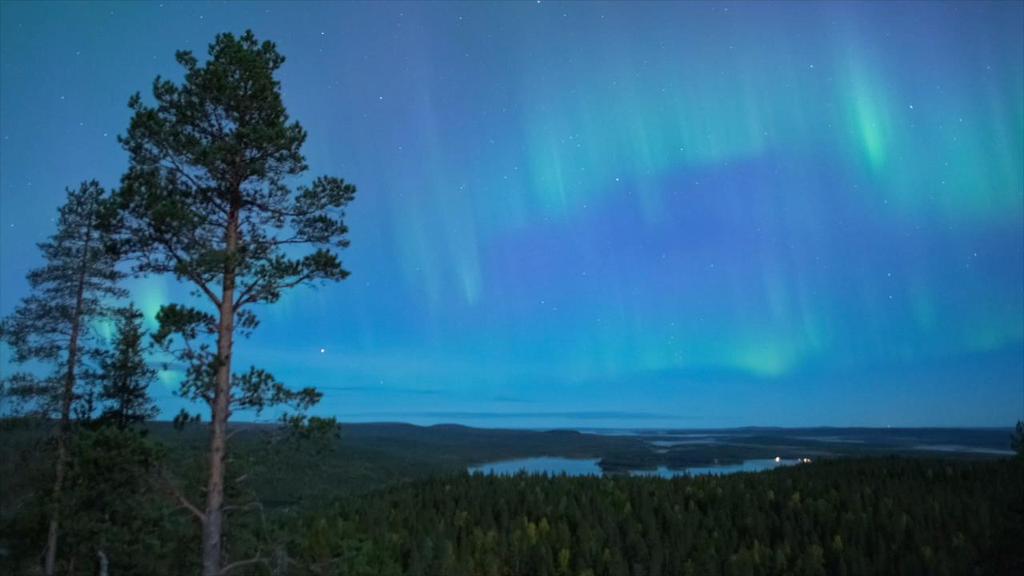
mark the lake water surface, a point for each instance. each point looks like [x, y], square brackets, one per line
[960, 448]
[555, 466]
[552, 466]
[759, 465]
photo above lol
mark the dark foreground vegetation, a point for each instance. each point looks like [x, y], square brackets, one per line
[885, 516]
[844, 516]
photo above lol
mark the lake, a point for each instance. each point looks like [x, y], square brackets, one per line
[552, 466]
[555, 466]
[961, 448]
[758, 465]
[671, 443]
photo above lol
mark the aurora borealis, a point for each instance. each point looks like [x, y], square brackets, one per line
[620, 214]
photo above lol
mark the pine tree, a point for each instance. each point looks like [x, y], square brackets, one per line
[51, 325]
[124, 375]
[1017, 439]
[206, 198]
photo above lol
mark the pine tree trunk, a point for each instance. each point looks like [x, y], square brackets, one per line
[58, 484]
[104, 563]
[64, 433]
[213, 526]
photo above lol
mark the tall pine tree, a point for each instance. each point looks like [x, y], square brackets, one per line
[207, 199]
[51, 326]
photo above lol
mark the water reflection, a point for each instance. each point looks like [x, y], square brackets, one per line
[551, 466]
[555, 466]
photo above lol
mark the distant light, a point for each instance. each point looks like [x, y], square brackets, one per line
[777, 459]
[322, 350]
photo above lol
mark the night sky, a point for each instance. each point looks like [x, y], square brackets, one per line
[596, 214]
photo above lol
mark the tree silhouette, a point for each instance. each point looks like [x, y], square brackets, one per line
[124, 375]
[206, 199]
[51, 325]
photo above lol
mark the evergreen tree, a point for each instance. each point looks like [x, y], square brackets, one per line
[51, 325]
[124, 375]
[113, 497]
[207, 199]
[114, 506]
[1017, 439]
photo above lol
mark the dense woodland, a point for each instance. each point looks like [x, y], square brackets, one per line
[846, 516]
[890, 516]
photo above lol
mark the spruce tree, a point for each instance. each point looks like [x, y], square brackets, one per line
[124, 375]
[51, 326]
[208, 199]
[115, 507]
[1017, 439]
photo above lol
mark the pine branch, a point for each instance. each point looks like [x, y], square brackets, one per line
[191, 276]
[184, 501]
[241, 563]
